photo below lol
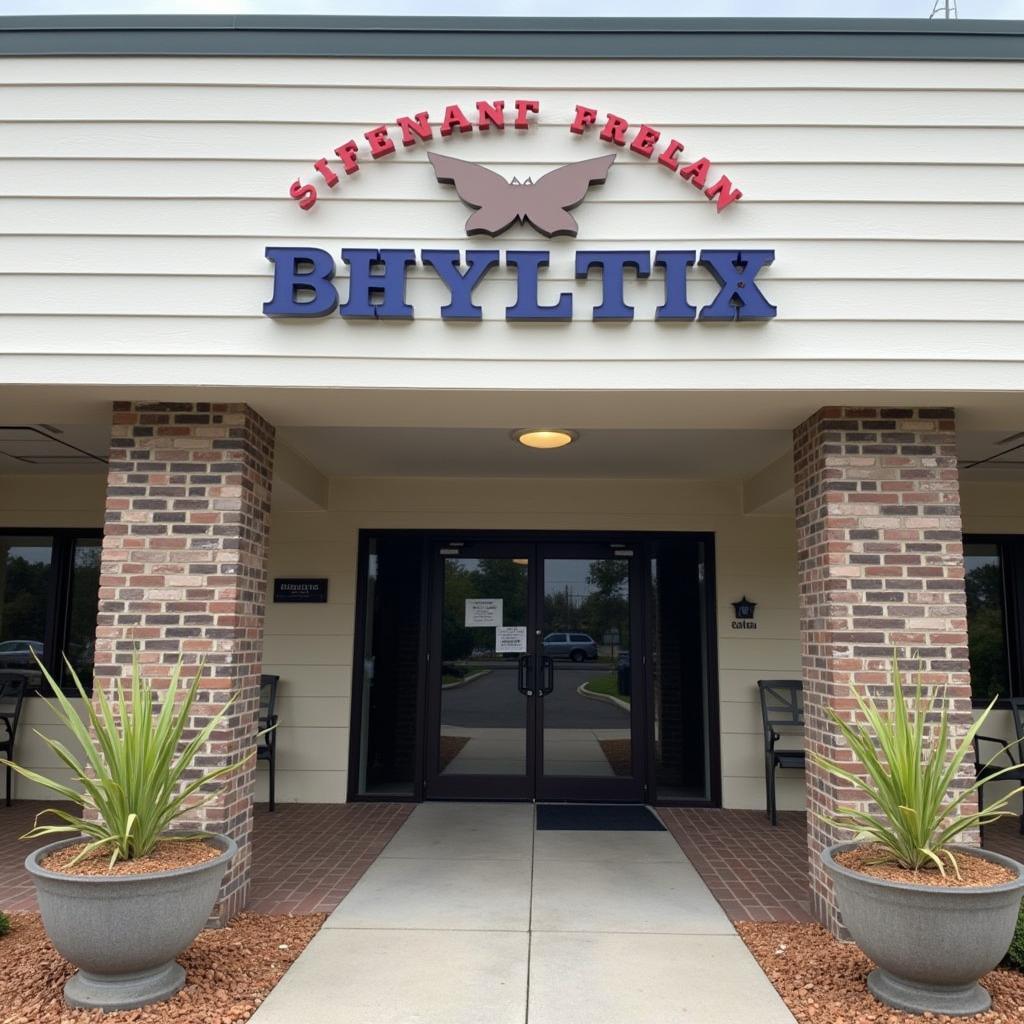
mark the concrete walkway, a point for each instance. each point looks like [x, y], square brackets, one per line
[470, 916]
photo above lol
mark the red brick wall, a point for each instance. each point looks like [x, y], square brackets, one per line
[880, 567]
[184, 573]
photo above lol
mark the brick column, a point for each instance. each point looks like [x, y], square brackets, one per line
[184, 573]
[881, 567]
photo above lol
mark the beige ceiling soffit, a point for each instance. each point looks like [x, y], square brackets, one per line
[299, 476]
[770, 489]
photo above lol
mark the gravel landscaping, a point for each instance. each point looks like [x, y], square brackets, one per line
[230, 971]
[167, 855]
[875, 861]
[823, 981]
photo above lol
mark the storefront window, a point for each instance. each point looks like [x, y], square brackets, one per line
[679, 670]
[26, 580]
[390, 663]
[83, 596]
[992, 632]
[49, 587]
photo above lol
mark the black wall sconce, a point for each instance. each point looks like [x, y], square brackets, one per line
[744, 613]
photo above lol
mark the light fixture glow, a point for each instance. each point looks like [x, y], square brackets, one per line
[545, 438]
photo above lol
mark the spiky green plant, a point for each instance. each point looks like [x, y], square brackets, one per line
[908, 776]
[5, 924]
[132, 766]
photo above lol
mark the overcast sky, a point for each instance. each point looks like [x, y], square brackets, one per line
[524, 8]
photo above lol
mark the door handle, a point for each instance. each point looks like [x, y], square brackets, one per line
[548, 675]
[524, 671]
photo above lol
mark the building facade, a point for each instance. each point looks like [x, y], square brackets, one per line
[279, 297]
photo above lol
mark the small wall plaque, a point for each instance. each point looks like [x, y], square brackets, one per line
[300, 591]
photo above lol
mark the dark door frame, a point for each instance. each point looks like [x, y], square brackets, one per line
[549, 787]
[535, 782]
[470, 787]
[1011, 553]
[431, 539]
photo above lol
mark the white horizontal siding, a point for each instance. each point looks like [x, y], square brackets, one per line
[137, 196]
[304, 143]
[700, 105]
[807, 299]
[630, 349]
[691, 219]
[243, 256]
[582, 77]
[631, 181]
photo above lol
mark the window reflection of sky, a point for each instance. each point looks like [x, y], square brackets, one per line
[37, 554]
[559, 574]
[574, 574]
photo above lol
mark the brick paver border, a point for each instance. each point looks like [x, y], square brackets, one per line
[306, 857]
[759, 873]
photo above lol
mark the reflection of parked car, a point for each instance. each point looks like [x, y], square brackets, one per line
[18, 653]
[622, 670]
[575, 646]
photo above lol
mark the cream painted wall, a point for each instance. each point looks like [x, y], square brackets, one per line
[310, 646]
[992, 506]
[45, 500]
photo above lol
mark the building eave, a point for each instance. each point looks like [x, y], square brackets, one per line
[543, 38]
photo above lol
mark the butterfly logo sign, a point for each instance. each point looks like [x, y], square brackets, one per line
[498, 204]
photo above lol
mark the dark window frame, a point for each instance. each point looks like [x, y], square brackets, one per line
[58, 602]
[1011, 556]
[431, 537]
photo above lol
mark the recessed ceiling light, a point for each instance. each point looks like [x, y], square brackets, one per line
[545, 438]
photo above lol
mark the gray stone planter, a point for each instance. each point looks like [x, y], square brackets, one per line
[930, 945]
[124, 932]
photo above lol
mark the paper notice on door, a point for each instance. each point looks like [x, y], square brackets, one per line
[483, 611]
[510, 640]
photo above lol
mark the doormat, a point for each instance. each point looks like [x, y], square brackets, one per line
[597, 818]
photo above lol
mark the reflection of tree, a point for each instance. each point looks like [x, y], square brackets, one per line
[608, 606]
[85, 584]
[25, 596]
[466, 579]
[456, 640]
[986, 631]
[501, 577]
[609, 577]
[602, 608]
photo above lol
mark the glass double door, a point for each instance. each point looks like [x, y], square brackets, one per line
[532, 689]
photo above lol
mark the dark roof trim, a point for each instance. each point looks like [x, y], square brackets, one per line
[563, 38]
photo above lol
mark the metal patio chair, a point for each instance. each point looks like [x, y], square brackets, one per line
[266, 745]
[782, 707]
[1013, 755]
[12, 696]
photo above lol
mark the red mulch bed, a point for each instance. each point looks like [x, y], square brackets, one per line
[619, 754]
[230, 972]
[167, 855]
[872, 859]
[451, 747]
[823, 981]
